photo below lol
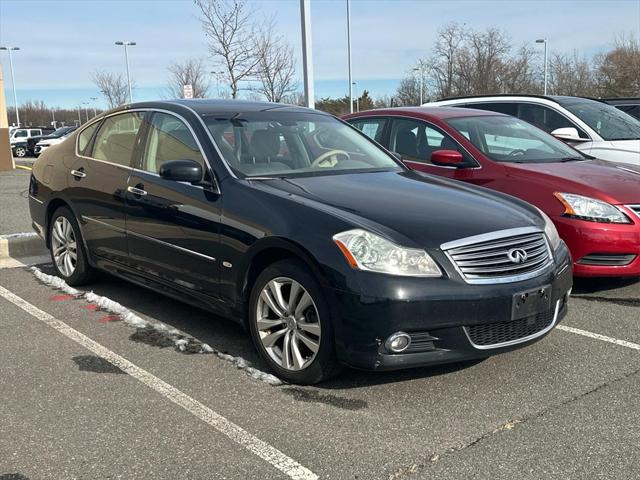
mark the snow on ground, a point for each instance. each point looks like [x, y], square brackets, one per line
[181, 341]
[18, 235]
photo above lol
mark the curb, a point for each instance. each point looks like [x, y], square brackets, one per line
[20, 245]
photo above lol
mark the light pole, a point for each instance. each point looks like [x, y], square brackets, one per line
[307, 60]
[13, 80]
[126, 58]
[93, 102]
[218, 74]
[544, 40]
[418, 69]
[86, 110]
[53, 114]
[351, 83]
[79, 116]
[355, 87]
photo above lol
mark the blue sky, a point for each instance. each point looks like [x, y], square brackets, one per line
[63, 42]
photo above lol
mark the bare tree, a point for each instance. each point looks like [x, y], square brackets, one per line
[190, 72]
[113, 86]
[276, 65]
[571, 75]
[232, 38]
[618, 71]
[442, 62]
[408, 92]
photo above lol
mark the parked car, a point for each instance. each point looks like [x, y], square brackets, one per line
[51, 140]
[592, 126]
[58, 135]
[325, 246]
[22, 134]
[630, 105]
[595, 205]
[19, 149]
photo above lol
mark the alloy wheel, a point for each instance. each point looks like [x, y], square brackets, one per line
[64, 246]
[288, 323]
[20, 152]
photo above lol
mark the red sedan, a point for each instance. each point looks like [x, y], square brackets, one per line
[594, 204]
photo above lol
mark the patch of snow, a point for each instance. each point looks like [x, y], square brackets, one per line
[182, 342]
[18, 235]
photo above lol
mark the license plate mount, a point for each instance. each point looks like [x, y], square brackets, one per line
[531, 302]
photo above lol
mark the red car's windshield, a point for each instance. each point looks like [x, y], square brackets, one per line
[508, 139]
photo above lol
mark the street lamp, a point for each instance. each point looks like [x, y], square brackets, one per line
[126, 58]
[218, 74]
[86, 110]
[355, 87]
[418, 69]
[544, 40]
[93, 102]
[13, 80]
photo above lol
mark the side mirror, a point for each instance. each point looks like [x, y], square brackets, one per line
[397, 156]
[181, 171]
[569, 134]
[447, 158]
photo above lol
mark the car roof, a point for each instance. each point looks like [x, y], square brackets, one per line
[441, 113]
[559, 99]
[212, 106]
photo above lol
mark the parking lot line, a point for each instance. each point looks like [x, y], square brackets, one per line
[270, 454]
[597, 336]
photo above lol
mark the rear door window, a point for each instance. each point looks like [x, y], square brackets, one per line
[371, 127]
[117, 138]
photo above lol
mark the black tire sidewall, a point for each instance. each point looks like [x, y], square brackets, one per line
[324, 364]
[83, 270]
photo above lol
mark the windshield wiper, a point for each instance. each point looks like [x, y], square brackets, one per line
[572, 159]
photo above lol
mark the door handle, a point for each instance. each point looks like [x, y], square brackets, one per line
[78, 173]
[136, 191]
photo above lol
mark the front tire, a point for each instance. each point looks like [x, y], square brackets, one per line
[290, 324]
[67, 249]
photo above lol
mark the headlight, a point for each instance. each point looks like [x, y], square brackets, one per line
[367, 251]
[550, 230]
[590, 209]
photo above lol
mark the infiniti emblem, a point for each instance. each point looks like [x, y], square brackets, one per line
[517, 255]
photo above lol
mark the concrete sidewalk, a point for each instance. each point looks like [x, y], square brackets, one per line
[14, 206]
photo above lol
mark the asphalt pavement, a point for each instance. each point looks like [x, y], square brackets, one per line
[565, 407]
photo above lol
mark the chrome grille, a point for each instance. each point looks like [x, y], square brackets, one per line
[496, 259]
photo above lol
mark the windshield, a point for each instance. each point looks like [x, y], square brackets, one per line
[609, 122]
[286, 144]
[508, 139]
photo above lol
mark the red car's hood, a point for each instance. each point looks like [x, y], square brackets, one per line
[616, 183]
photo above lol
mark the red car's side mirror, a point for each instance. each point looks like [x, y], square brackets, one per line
[447, 158]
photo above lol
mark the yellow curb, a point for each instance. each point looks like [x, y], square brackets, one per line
[23, 167]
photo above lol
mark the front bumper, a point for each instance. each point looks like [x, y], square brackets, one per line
[439, 314]
[602, 249]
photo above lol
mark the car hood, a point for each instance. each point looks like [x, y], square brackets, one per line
[615, 183]
[411, 207]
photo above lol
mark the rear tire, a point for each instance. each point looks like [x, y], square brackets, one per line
[20, 152]
[290, 324]
[67, 248]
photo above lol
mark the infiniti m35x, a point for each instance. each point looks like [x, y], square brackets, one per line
[297, 225]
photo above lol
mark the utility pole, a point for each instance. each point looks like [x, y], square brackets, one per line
[349, 55]
[307, 58]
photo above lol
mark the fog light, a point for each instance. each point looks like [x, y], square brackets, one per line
[398, 342]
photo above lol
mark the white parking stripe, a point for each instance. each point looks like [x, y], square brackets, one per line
[270, 454]
[597, 336]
